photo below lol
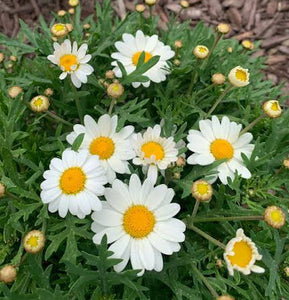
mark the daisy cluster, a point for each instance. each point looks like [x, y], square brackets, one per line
[138, 217]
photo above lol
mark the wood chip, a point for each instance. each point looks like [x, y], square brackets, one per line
[235, 17]
[274, 41]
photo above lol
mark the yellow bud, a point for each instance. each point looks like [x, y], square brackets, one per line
[61, 13]
[2, 189]
[201, 51]
[150, 2]
[181, 161]
[274, 216]
[69, 26]
[109, 74]
[272, 109]
[223, 28]
[59, 30]
[178, 44]
[71, 11]
[14, 91]
[73, 2]
[115, 90]
[248, 44]
[140, 8]
[34, 241]
[184, 4]
[2, 57]
[202, 190]
[226, 297]
[86, 26]
[13, 58]
[39, 103]
[177, 62]
[48, 92]
[230, 49]
[286, 163]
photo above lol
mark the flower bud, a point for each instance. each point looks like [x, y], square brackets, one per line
[2, 189]
[272, 109]
[59, 30]
[73, 2]
[181, 161]
[248, 45]
[184, 4]
[13, 58]
[39, 103]
[177, 175]
[239, 77]
[8, 274]
[140, 8]
[34, 241]
[223, 28]
[202, 190]
[286, 163]
[2, 57]
[230, 49]
[150, 2]
[177, 62]
[48, 92]
[115, 90]
[225, 297]
[274, 216]
[178, 44]
[286, 271]
[14, 91]
[71, 11]
[109, 74]
[86, 26]
[61, 13]
[69, 27]
[201, 51]
[218, 78]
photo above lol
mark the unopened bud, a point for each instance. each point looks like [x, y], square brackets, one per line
[218, 78]
[8, 274]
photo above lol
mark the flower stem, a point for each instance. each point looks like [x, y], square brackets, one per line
[252, 124]
[197, 203]
[206, 282]
[112, 104]
[55, 117]
[219, 99]
[206, 236]
[217, 39]
[194, 78]
[231, 218]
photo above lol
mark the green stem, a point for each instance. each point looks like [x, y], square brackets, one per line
[252, 124]
[197, 203]
[194, 78]
[112, 104]
[217, 39]
[206, 282]
[12, 196]
[206, 236]
[57, 118]
[220, 98]
[220, 219]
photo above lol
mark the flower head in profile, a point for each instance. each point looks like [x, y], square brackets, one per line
[220, 141]
[241, 254]
[138, 220]
[154, 152]
[103, 141]
[72, 60]
[73, 184]
[130, 50]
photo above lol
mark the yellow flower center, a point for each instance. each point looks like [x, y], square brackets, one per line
[153, 149]
[243, 254]
[276, 216]
[32, 241]
[38, 102]
[138, 221]
[72, 181]
[202, 188]
[67, 61]
[137, 55]
[241, 75]
[59, 27]
[103, 147]
[202, 49]
[275, 106]
[222, 149]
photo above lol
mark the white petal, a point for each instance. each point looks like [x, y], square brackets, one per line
[168, 211]
[107, 217]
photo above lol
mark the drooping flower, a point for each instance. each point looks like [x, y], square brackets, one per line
[130, 50]
[73, 61]
[138, 221]
[73, 184]
[239, 77]
[153, 151]
[241, 254]
[101, 139]
[217, 141]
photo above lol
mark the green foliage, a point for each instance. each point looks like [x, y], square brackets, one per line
[71, 266]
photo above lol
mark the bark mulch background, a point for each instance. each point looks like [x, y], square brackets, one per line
[264, 20]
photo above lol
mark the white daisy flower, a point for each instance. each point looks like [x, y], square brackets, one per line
[101, 139]
[73, 184]
[153, 151]
[216, 141]
[72, 60]
[130, 50]
[241, 254]
[138, 220]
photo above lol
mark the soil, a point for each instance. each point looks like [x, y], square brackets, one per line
[264, 20]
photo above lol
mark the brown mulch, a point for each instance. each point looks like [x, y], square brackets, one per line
[264, 20]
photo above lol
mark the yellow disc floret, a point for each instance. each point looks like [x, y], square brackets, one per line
[153, 149]
[222, 149]
[72, 181]
[137, 55]
[243, 254]
[68, 62]
[103, 147]
[138, 221]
